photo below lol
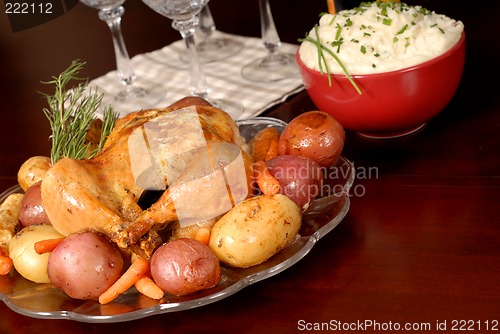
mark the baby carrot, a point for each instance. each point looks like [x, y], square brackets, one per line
[137, 270]
[46, 246]
[6, 263]
[266, 182]
[149, 288]
[272, 152]
[265, 144]
[203, 235]
[331, 7]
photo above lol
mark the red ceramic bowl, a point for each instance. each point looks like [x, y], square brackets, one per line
[392, 103]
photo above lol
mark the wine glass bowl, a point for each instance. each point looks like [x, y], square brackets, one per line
[137, 93]
[177, 10]
[103, 4]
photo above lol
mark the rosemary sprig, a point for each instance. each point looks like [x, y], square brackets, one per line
[109, 119]
[322, 60]
[70, 113]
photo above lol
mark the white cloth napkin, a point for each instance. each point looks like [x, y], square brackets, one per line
[224, 80]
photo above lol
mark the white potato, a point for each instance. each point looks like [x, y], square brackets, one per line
[27, 262]
[255, 229]
[32, 171]
[9, 217]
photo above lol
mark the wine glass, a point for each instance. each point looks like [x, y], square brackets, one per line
[138, 93]
[276, 65]
[212, 48]
[184, 16]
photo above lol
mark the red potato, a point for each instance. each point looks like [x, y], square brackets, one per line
[184, 266]
[314, 134]
[85, 265]
[32, 211]
[300, 177]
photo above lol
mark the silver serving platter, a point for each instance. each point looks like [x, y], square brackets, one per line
[322, 216]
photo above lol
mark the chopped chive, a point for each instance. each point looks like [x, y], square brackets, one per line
[402, 30]
[339, 30]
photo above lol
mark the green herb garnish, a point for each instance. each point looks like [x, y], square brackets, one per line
[321, 59]
[387, 21]
[338, 43]
[339, 31]
[70, 113]
[402, 30]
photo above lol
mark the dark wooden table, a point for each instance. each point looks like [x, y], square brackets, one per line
[421, 242]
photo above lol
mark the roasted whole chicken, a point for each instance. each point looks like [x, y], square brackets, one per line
[190, 151]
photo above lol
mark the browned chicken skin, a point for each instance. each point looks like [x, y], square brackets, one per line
[102, 193]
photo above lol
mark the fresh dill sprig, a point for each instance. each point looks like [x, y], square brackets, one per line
[70, 113]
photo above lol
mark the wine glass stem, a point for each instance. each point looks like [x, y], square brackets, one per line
[198, 83]
[269, 32]
[207, 24]
[124, 68]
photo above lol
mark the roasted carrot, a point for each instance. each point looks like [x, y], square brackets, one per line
[331, 7]
[203, 235]
[272, 152]
[138, 269]
[46, 246]
[148, 287]
[6, 263]
[267, 183]
[265, 144]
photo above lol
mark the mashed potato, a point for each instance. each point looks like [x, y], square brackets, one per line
[380, 37]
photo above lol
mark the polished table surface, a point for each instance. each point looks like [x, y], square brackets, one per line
[421, 242]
